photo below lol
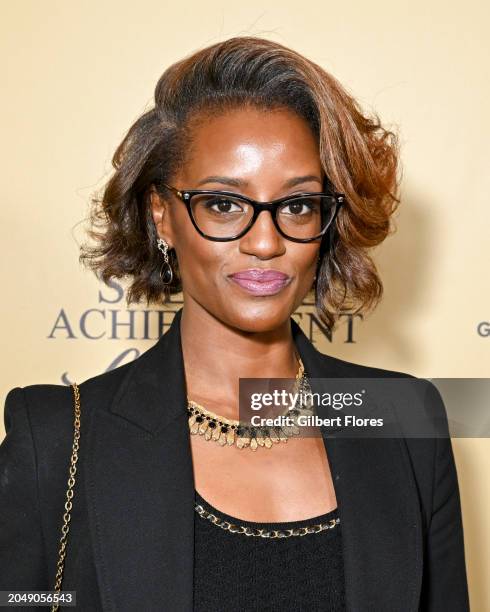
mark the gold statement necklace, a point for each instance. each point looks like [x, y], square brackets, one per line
[225, 431]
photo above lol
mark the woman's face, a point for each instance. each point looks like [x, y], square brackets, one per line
[254, 153]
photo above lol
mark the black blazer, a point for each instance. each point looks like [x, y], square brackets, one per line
[131, 533]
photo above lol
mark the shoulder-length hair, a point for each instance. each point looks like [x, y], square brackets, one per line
[359, 157]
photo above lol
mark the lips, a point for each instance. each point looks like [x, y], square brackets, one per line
[259, 275]
[261, 282]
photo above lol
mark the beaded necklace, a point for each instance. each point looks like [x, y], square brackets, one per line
[216, 428]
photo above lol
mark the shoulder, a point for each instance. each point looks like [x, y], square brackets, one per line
[422, 389]
[39, 425]
[417, 406]
[48, 407]
[416, 393]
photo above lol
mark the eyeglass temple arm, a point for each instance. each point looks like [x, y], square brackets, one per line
[173, 189]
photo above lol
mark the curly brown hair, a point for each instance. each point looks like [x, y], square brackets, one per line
[359, 156]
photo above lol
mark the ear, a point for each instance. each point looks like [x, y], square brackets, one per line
[160, 212]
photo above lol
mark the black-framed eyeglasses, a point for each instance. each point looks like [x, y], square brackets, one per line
[223, 215]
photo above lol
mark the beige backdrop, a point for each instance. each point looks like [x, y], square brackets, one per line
[77, 74]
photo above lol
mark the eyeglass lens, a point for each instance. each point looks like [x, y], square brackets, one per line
[220, 216]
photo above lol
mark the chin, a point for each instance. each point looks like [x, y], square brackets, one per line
[258, 317]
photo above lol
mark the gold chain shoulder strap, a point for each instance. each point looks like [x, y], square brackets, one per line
[69, 495]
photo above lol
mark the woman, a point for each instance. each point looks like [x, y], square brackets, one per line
[174, 507]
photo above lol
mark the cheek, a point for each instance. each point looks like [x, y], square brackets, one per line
[305, 257]
[202, 261]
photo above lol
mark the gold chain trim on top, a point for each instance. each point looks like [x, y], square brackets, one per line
[262, 532]
[225, 431]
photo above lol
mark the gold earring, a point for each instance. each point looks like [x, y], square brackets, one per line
[166, 272]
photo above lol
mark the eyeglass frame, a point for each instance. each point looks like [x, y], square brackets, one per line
[185, 195]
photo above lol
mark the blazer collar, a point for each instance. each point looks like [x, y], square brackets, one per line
[140, 490]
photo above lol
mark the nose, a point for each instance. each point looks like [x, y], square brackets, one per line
[263, 240]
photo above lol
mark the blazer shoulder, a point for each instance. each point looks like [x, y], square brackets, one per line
[419, 395]
[50, 405]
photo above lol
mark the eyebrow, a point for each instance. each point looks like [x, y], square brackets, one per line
[236, 182]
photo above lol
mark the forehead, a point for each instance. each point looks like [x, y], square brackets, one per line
[247, 141]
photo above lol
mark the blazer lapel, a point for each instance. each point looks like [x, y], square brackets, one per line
[140, 491]
[140, 486]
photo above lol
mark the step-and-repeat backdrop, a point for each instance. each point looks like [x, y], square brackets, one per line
[76, 75]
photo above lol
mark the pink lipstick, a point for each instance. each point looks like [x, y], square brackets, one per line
[258, 281]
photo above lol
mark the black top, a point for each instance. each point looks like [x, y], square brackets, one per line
[236, 571]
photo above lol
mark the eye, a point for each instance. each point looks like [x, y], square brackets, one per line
[300, 206]
[223, 205]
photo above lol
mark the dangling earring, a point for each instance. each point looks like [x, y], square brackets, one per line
[166, 272]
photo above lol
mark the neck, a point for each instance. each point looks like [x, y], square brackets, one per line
[217, 355]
